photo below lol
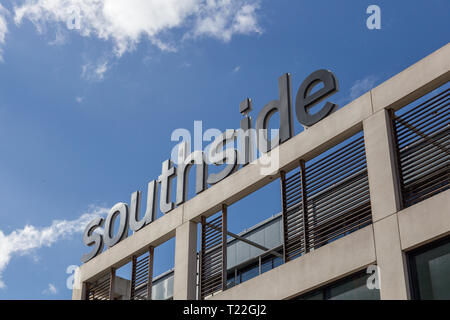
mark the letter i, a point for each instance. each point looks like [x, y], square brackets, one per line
[247, 137]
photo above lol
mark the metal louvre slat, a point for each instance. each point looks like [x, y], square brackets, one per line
[332, 199]
[293, 207]
[431, 109]
[142, 276]
[409, 153]
[324, 162]
[339, 176]
[103, 288]
[294, 198]
[438, 123]
[428, 180]
[430, 187]
[349, 160]
[212, 262]
[212, 227]
[425, 159]
[425, 105]
[211, 275]
[427, 168]
[359, 213]
[212, 247]
[321, 215]
[438, 143]
[140, 267]
[328, 199]
[212, 259]
[422, 141]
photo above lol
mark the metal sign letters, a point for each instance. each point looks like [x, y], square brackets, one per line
[129, 216]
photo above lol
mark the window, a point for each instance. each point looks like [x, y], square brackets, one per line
[249, 272]
[353, 287]
[252, 268]
[430, 271]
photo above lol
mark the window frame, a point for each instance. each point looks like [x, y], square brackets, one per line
[325, 290]
[412, 266]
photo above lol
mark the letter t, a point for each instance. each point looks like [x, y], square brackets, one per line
[167, 174]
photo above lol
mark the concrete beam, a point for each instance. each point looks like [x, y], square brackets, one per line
[425, 221]
[156, 233]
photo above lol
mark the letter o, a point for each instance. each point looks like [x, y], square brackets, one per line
[119, 210]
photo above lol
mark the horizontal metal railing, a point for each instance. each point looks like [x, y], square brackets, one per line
[102, 288]
[212, 259]
[141, 276]
[338, 194]
[325, 198]
[422, 136]
[293, 220]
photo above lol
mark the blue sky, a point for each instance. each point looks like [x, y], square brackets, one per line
[86, 114]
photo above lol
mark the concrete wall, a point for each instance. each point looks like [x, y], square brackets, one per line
[404, 229]
[326, 264]
[122, 288]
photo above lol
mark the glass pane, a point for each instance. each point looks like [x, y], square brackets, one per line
[266, 266]
[230, 280]
[277, 262]
[249, 273]
[354, 289]
[318, 295]
[433, 273]
[163, 288]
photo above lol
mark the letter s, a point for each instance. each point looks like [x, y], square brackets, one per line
[93, 239]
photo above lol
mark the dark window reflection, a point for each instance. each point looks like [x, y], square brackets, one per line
[430, 271]
[350, 288]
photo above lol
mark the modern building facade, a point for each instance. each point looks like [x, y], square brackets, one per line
[365, 192]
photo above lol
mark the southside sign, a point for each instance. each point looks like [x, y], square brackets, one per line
[129, 215]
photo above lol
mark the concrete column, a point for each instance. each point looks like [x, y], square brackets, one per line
[79, 290]
[381, 165]
[390, 260]
[77, 294]
[185, 279]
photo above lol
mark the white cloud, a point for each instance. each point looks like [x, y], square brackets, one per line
[236, 69]
[362, 86]
[127, 22]
[60, 37]
[79, 99]
[94, 72]
[222, 19]
[164, 23]
[51, 290]
[30, 238]
[3, 28]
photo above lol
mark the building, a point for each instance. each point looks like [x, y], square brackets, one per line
[366, 186]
